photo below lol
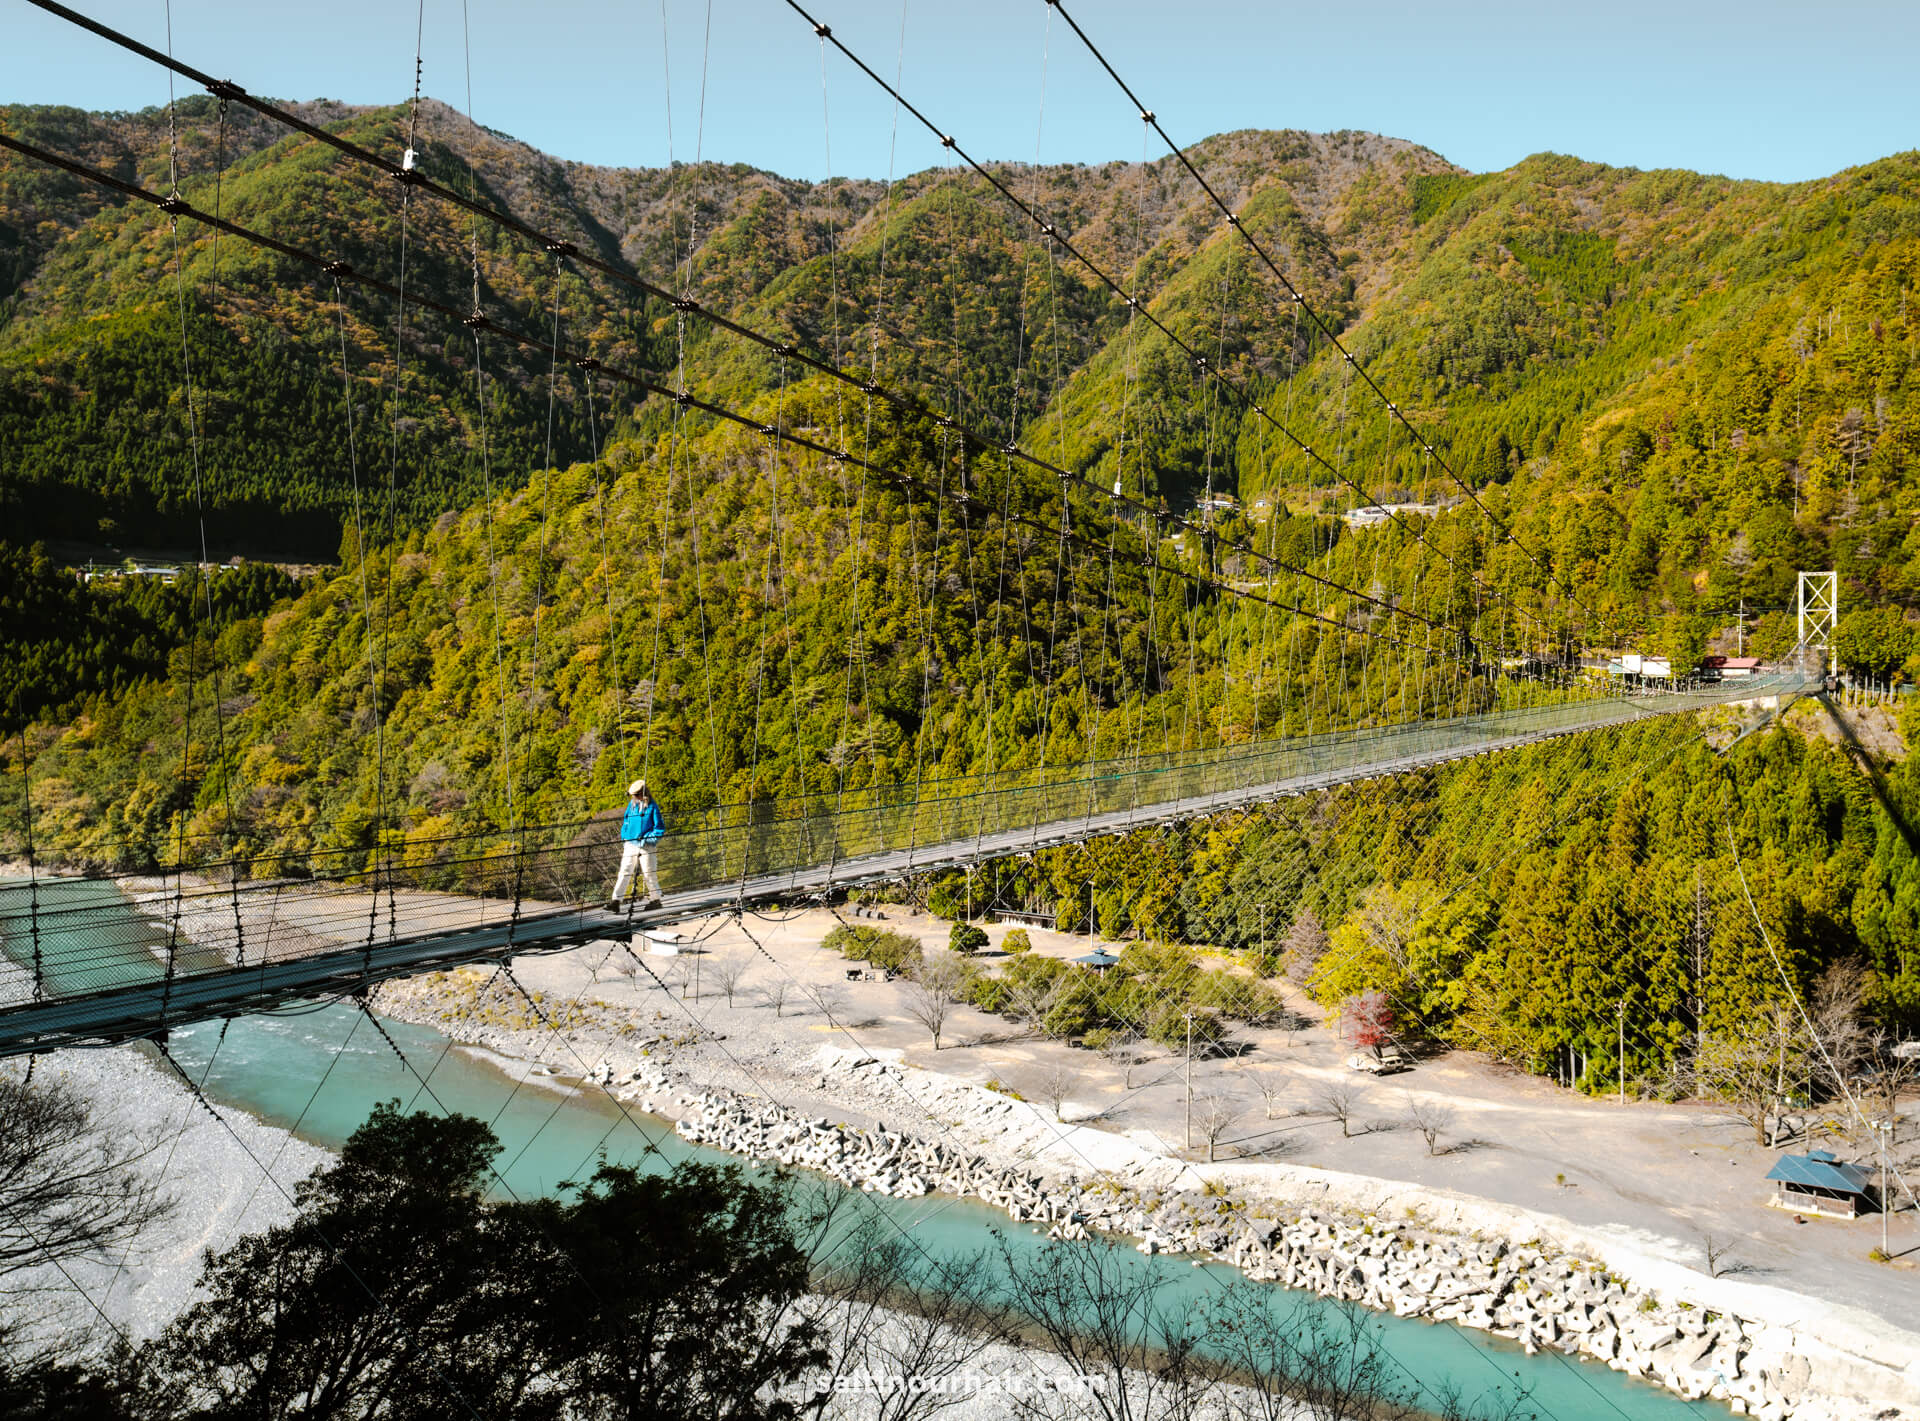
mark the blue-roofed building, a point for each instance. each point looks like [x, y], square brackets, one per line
[1817, 1183]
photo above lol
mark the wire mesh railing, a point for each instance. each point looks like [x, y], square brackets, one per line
[76, 936]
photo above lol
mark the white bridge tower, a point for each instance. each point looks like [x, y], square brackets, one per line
[1818, 604]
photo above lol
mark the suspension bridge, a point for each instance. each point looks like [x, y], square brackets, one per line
[138, 954]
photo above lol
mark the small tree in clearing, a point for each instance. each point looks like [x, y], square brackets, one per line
[1430, 1118]
[1055, 1083]
[1215, 1114]
[1337, 1100]
[966, 938]
[936, 986]
[729, 968]
[1366, 1019]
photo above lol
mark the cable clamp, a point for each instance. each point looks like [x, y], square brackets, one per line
[823, 31]
[946, 140]
[681, 397]
[1133, 303]
[841, 456]
[1046, 228]
[771, 431]
[1009, 448]
[1349, 355]
[1298, 297]
[1232, 221]
[473, 320]
[792, 352]
[945, 421]
[586, 362]
[337, 269]
[173, 204]
[870, 387]
[685, 304]
[1146, 115]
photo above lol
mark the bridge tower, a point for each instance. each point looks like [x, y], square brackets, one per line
[1818, 604]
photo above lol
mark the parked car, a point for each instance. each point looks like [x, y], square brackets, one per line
[1389, 1061]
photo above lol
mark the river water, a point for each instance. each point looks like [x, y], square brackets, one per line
[320, 1070]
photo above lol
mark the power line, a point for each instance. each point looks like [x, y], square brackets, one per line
[1133, 302]
[1148, 117]
[176, 206]
[410, 176]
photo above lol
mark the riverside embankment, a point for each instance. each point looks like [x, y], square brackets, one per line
[1413, 1253]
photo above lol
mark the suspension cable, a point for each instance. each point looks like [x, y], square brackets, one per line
[1233, 221]
[683, 302]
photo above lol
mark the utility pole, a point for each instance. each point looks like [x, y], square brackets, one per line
[1740, 636]
[1190, 1081]
[1884, 1129]
[1623, 1053]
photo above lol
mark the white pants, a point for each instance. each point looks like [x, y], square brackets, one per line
[646, 858]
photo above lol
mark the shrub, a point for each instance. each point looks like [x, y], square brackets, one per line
[1016, 942]
[888, 950]
[1167, 1024]
[947, 896]
[1075, 1009]
[966, 939]
[990, 993]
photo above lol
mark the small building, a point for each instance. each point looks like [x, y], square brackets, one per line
[1026, 917]
[1729, 668]
[1373, 515]
[1634, 664]
[1099, 960]
[1817, 1183]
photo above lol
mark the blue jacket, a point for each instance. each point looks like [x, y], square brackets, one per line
[643, 823]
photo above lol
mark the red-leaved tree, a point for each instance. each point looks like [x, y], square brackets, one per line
[1366, 1018]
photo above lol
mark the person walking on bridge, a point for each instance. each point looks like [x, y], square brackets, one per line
[640, 833]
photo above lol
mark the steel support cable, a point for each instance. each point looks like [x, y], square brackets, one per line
[1793, 992]
[339, 1253]
[1050, 230]
[1148, 116]
[341, 271]
[854, 508]
[486, 452]
[606, 586]
[1062, 1137]
[1510, 845]
[360, 556]
[200, 518]
[33, 868]
[683, 304]
[383, 852]
[313, 1096]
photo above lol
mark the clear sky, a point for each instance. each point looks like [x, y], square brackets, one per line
[1748, 88]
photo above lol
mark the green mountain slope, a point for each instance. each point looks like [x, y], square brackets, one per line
[1677, 391]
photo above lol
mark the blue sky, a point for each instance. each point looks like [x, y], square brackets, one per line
[1758, 89]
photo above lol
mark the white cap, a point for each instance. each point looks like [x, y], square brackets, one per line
[636, 787]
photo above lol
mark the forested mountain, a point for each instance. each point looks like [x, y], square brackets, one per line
[1671, 390]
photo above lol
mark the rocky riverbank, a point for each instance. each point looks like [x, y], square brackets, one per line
[1501, 1272]
[1533, 1295]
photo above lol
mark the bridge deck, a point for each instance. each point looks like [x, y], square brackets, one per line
[92, 970]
